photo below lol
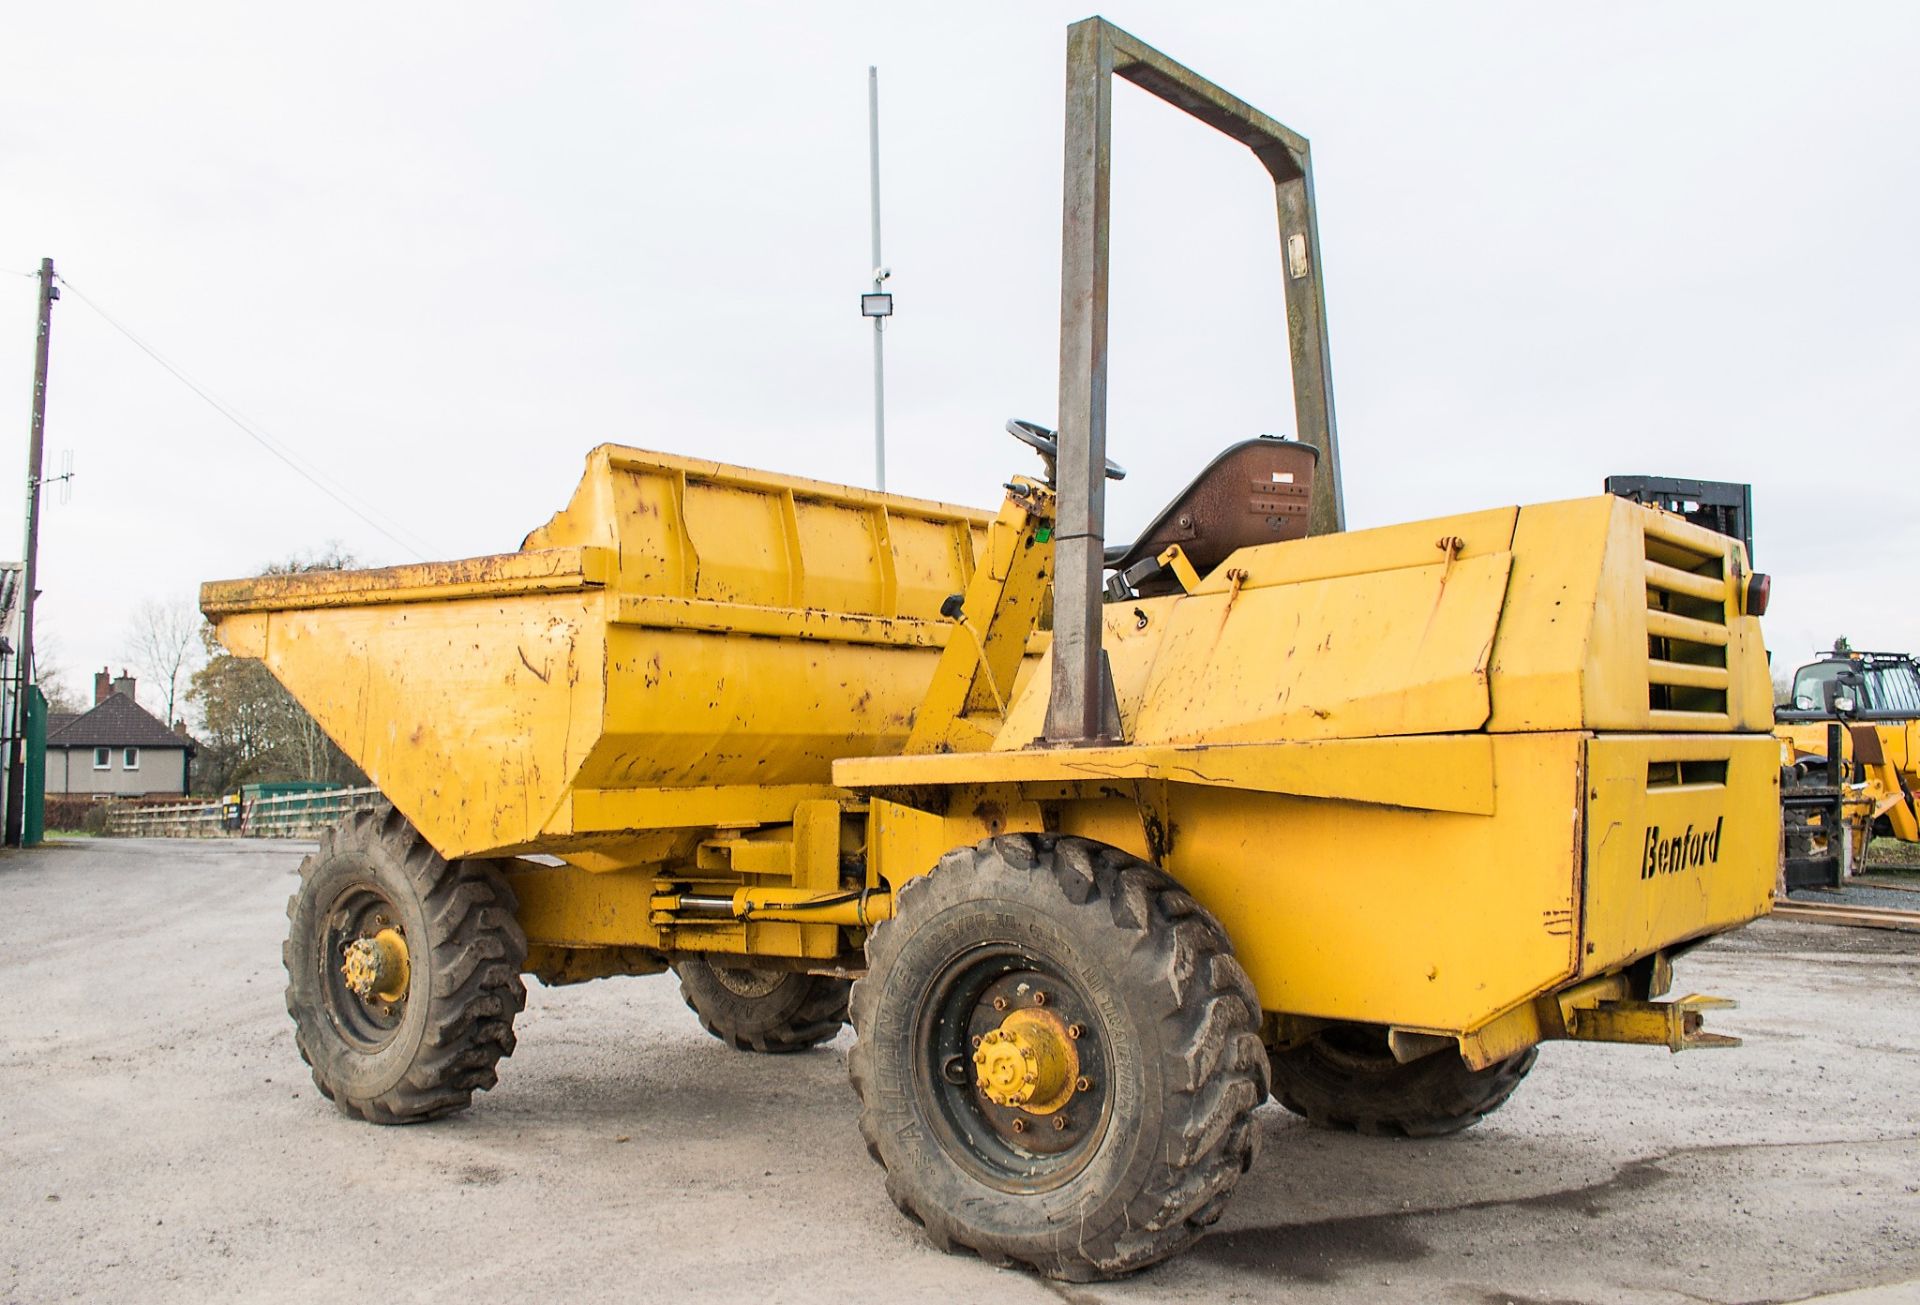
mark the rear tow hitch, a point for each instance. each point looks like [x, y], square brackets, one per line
[1675, 1025]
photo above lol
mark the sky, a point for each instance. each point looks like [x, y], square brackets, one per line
[439, 251]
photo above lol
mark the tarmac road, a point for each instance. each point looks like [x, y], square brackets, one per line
[160, 1141]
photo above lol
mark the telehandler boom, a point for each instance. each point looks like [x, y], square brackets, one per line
[1358, 819]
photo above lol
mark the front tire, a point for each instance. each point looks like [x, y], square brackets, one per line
[1345, 1077]
[1058, 1058]
[403, 971]
[769, 1011]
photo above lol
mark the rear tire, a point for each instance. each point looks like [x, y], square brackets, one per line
[1346, 1078]
[769, 1011]
[424, 1048]
[1143, 1147]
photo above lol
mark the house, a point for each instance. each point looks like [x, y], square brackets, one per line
[117, 749]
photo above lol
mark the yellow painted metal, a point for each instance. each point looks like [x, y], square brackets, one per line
[685, 528]
[1368, 754]
[980, 672]
[1418, 773]
[853, 909]
[606, 682]
[1675, 1025]
[570, 909]
[1175, 559]
[1362, 910]
[377, 968]
[1365, 552]
[1596, 581]
[1539, 1020]
[1389, 653]
[470, 714]
[1883, 765]
[1391, 632]
[1682, 838]
[1445, 772]
[1607, 1008]
[565, 906]
[556, 570]
[1440, 920]
[804, 853]
[1337, 909]
[1030, 1061]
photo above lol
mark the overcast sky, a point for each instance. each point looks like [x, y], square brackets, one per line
[442, 250]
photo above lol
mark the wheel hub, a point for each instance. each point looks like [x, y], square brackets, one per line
[376, 968]
[1018, 1065]
[1029, 1061]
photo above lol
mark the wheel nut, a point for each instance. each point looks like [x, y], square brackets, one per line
[1059, 1123]
[999, 1003]
[1083, 1084]
[1074, 1030]
[1039, 998]
[1019, 1125]
[976, 1040]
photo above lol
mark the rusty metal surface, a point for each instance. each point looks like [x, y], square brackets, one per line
[1096, 51]
[1257, 492]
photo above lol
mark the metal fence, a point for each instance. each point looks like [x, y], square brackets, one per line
[287, 815]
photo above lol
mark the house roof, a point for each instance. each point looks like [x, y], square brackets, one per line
[119, 722]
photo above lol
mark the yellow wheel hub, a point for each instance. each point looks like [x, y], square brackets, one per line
[1029, 1062]
[376, 968]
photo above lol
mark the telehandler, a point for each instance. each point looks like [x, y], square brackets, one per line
[1095, 846]
[1850, 742]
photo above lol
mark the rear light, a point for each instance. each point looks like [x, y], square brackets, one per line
[1759, 590]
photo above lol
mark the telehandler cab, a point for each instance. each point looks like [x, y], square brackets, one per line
[1355, 818]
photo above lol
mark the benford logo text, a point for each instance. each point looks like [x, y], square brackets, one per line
[1666, 855]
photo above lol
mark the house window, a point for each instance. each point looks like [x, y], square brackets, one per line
[102, 758]
[130, 759]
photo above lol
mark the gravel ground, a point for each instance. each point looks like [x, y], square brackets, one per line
[160, 1141]
[1893, 854]
[1858, 893]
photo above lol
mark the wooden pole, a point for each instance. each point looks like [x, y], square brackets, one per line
[23, 656]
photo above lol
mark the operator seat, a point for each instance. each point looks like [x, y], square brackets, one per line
[1255, 492]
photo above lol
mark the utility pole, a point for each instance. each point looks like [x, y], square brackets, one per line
[878, 304]
[23, 661]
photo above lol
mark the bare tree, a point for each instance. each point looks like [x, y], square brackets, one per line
[251, 729]
[164, 642]
[51, 676]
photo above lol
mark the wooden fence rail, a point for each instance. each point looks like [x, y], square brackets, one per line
[287, 815]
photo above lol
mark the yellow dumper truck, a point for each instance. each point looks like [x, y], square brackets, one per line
[1095, 847]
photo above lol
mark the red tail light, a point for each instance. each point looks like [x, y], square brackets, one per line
[1759, 590]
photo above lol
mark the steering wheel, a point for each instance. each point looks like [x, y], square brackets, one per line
[1047, 444]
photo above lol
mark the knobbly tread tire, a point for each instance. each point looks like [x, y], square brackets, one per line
[802, 1010]
[465, 988]
[1160, 1176]
[1430, 1097]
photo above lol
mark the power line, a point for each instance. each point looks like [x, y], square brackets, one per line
[333, 490]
